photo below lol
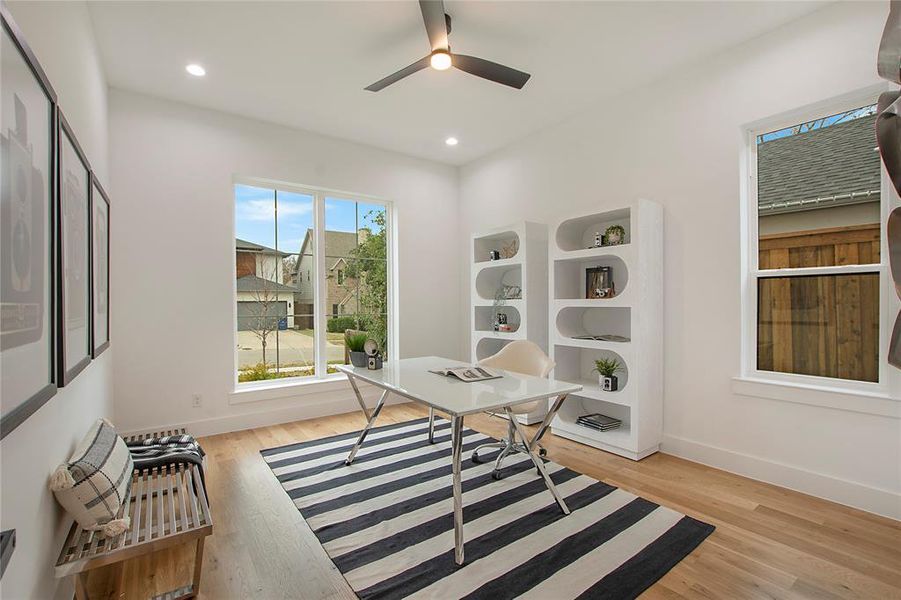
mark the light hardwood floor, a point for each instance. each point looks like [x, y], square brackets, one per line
[769, 543]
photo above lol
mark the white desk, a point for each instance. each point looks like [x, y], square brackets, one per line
[410, 378]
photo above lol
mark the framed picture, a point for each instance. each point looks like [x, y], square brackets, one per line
[74, 297]
[99, 268]
[28, 135]
[599, 283]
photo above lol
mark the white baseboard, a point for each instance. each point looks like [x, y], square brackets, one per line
[308, 408]
[850, 493]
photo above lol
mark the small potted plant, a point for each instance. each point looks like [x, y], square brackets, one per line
[615, 234]
[607, 368]
[356, 342]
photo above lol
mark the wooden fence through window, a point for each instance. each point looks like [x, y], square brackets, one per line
[825, 325]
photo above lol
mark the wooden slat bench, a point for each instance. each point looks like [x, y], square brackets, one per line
[167, 507]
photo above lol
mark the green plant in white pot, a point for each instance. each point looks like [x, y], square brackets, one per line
[615, 234]
[607, 368]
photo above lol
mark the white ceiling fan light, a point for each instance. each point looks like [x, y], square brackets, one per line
[440, 60]
[451, 141]
[195, 69]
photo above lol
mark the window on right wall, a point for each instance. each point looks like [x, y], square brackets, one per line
[816, 190]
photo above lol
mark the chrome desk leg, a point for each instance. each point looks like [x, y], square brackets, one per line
[542, 429]
[372, 418]
[353, 384]
[431, 425]
[538, 462]
[457, 457]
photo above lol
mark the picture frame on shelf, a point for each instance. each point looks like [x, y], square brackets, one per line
[73, 255]
[599, 283]
[28, 138]
[100, 237]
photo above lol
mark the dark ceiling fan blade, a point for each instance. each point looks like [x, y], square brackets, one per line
[490, 70]
[419, 65]
[435, 23]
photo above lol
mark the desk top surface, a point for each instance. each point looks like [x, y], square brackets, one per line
[410, 378]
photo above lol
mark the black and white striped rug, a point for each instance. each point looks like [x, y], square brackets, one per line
[386, 521]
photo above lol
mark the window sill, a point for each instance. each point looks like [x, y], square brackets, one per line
[870, 403]
[273, 390]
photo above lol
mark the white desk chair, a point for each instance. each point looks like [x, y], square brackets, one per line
[521, 356]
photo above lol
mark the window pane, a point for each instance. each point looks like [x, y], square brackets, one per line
[297, 348]
[818, 193]
[356, 264]
[274, 330]
[255, 216]
[295, 222]
[823, 325]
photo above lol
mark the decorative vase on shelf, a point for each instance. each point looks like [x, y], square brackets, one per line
[608, 384]
[615, 235]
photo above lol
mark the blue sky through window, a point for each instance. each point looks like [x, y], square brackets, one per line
[843, 117]
[255, 216]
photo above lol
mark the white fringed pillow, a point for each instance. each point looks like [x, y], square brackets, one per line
[95, 481]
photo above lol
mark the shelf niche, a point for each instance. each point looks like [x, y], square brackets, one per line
[575, 407]
[569, 276]
[482, 246]
[489, 347]
[576, 321]
[483, 319]
[579, 233]
[490, 280]
[576, 365]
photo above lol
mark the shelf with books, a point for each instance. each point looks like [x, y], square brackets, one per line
[617, 440]
[631, 322]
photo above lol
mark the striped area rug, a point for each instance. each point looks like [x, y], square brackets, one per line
[386, 521]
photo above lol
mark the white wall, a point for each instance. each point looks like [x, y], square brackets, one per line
[678, 142]
[61, 37]
[172, 170]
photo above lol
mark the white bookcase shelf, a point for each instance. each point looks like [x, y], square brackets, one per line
[635, 312]
[526, 269]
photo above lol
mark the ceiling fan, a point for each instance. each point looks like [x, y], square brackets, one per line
[438, 27]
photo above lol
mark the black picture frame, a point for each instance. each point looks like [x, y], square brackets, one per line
[593, 276]
[100, 262]
[69, 369]
[16, 411]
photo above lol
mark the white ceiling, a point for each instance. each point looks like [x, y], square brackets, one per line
[305, 64]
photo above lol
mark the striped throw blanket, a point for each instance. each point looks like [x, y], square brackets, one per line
[157, 452]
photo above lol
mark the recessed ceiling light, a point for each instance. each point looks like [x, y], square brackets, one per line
[195, 70]
[440, 60]
[451, 141]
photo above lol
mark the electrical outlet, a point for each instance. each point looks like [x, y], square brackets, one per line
[198, 400]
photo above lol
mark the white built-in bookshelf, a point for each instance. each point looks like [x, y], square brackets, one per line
[634, 312]
[527, 270]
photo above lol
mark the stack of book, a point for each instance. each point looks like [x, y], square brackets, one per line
[599, 422]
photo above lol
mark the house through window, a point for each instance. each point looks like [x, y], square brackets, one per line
[817, 280]
[282, 279]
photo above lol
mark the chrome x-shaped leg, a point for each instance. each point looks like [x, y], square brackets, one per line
[536, 460]
[369, 422]
[431, 425]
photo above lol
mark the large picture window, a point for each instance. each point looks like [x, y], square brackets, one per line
[815, 259]
[309, 265]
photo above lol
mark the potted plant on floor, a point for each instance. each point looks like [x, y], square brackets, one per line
[356, 341]
[607, 368]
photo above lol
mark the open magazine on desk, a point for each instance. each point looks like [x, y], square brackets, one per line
[468, 374]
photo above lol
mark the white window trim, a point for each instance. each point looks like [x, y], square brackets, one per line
[841, 394]
[253, 391]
